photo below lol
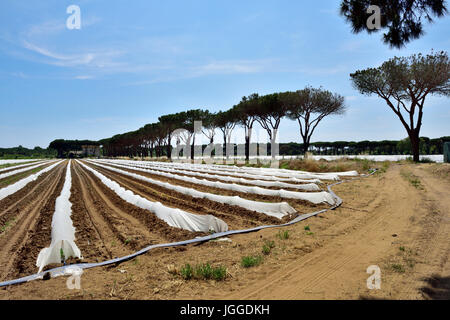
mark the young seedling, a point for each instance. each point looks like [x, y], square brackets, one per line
[63, 258]
[187, 272]
[268, 246]
[283, 235]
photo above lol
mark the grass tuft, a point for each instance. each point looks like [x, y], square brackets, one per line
[283, 235]
[251, 261]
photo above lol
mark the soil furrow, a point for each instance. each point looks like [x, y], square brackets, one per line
[143, 223]
[31, 232]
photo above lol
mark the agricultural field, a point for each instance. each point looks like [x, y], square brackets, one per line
[82, 212]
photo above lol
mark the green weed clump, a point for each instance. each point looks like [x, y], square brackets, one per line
[203, 271]
[187, 272]
[283, 235]
[251, 261]
[268, 246]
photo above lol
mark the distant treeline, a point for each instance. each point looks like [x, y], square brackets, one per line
[60, 148]
[25, 153]
[385, 147]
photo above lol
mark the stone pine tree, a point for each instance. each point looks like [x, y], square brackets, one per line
[403, 19]
[404, 83]
[309, 107]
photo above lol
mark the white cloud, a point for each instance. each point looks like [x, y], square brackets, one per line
[83, 77]
[99, 59]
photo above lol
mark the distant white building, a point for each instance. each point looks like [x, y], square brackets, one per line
[90, 150]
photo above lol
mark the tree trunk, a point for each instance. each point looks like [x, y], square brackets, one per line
[193, 147]
[247, 148]
[305, 145]
[169, 147]
[415, 145]
[225, 145]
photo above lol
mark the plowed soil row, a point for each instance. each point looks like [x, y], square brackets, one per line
[111, 225]
[22, 175]
[14, 167]
[300, 205]
[29, 213]
[236, 217]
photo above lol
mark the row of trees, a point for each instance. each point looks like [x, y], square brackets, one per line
[307, 106]
[63, 147]
[402, 83]
[385, 147]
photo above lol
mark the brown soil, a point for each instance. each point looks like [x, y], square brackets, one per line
[385, 221]
[22, 175]
[28, 213]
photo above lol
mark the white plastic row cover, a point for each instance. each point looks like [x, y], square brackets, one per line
[63, 244]
[282, 172]
[173, 217]
[278, 210]
[314, 197]
[11, 173]
[266, 171]
[20, 166]
[13, 188]
[306, 187]
[206, 169]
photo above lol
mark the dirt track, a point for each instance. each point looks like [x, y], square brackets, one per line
[384, 221]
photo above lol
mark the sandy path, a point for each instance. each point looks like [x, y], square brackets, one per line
[338, 270]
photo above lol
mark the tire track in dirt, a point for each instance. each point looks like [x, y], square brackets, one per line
[433, 245]
[302, 206]
[339, 264]
[21, 245]
[236, 217]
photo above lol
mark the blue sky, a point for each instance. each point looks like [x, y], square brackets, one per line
[133, 61]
